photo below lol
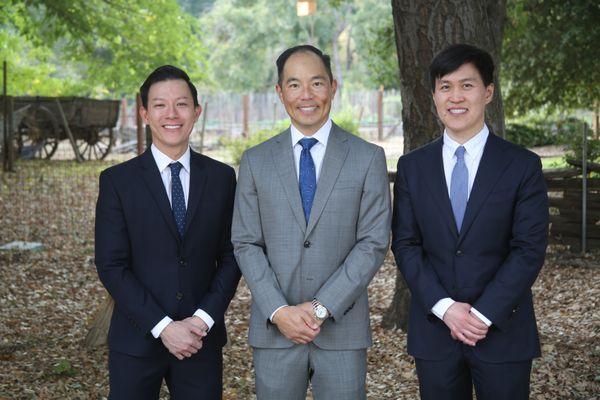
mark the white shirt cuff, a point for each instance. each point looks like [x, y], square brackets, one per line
[440, 308]
[277, 309]
[158, 328]
[205, 317]
[481, 317]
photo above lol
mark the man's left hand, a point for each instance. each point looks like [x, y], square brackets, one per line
[197, 322]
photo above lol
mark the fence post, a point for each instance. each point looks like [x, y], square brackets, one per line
[245, 111]
[584, 190]
[138, 124]
[380, 114]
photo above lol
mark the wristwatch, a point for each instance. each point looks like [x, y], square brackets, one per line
[319, 310]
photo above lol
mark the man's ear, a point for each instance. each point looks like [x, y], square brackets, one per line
[144, 114]
[489, 93]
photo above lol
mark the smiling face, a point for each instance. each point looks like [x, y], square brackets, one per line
[306, 91]
[460, 98]
[171, 115]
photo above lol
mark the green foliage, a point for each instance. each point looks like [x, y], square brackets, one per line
[373, 34]
[236, 146]
[530, 135]
[64, 368]
[550, 53]
[95, 47]
[571, 134]
[346, 120]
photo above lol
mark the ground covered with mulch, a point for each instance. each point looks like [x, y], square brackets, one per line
[48, 299]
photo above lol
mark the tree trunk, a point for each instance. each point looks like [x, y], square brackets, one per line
[423, 28]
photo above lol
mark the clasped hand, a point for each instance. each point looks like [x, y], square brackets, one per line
[464, 325]
[297, 323]
[184, 338]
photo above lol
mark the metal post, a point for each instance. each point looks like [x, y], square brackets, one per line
[139, 124]
[584, 191]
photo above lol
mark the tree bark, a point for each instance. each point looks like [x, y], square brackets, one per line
[422, 29]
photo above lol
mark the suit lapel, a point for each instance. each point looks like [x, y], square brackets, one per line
[432, 165]
[156, 187]
[283, 157]
[491, 167]
[197, 182]
[335, 154]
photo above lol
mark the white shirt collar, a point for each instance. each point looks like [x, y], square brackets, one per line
[472, 146]
[162, 160]
[322, 135]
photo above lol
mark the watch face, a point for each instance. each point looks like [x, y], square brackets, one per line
[320, 312]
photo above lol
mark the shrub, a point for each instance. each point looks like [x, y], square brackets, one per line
[530, 135]
[346, 120]
[237, 146]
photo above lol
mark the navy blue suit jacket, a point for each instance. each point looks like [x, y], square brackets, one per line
[145, 266]
[491, 264]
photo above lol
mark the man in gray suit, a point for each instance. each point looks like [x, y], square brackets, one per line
[310, 229]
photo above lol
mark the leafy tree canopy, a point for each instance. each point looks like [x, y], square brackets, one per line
[95, 47]
[550, 54]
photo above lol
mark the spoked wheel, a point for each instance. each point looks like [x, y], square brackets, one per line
[38, 134]
[96, 145]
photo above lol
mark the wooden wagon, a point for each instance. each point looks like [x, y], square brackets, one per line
[39, 125]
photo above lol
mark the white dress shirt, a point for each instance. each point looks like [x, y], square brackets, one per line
[317, 152]
[162, 162]
[473, 152]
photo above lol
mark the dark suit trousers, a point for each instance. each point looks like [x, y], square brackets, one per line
[197, 377]
[454, 378]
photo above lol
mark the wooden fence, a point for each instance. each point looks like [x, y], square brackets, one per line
[565, 197]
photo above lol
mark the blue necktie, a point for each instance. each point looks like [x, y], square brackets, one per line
[308, 175]
[177, 198]
[459, 187]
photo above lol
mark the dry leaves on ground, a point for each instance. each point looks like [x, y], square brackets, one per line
[47, 299]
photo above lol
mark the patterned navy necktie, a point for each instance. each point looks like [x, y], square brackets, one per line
[177, 198]
[459, 187]
[308, 175]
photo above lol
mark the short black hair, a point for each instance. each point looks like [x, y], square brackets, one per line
[454, 56]
[303, 48]
[166, 73]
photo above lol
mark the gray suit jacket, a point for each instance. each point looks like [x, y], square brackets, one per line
[334, 257]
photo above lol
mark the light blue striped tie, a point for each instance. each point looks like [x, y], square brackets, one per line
[459, 187]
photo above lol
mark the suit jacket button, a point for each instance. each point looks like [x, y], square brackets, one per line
[179, 295]
[307, 244]
[459, 253]
[182, 262]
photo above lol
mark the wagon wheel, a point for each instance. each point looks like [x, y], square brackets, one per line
[38, 134]
[97, 144]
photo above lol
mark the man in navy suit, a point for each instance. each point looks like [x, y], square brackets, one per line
[469, 235]
[163, 252]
